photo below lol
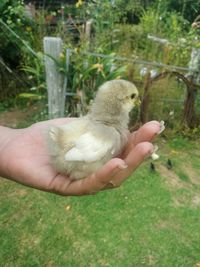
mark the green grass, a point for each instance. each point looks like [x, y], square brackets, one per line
[153, 219]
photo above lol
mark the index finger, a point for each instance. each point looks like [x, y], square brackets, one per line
[146, 133]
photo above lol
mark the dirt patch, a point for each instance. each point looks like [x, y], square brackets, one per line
[172, 179]
[12, 118]
[196, 201]
[196, 152]
[186, 200]
[162, 225]
[173, 182]
[192, 174]
[180, 201]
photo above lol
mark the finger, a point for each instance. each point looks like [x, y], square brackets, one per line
[146, 133]
[102, 177]
[89, 185]
[133, 160]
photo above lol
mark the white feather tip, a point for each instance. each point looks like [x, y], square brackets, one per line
[53, 133]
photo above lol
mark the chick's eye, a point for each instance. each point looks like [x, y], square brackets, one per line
[133, 96]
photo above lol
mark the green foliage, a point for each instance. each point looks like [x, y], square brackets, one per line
[132, 9]
[94, 71]
[170, 27]
[13, 14]
[191, 133]
[104, 16]
[103, 13]
[6, 104]
[36, 74]
[30, 96]
[179, 142]
[87, 73]
[187, 9]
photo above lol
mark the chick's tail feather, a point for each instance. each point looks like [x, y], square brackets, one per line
[53, 133]
[53, 140]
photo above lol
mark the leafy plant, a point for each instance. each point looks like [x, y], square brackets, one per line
[87, 73]
[36, 74]
[187, 9]
[13, 15]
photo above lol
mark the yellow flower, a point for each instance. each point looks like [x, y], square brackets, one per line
[79, 3]
[98, 66]
[76, 50]
[28, 29]
[61, 55]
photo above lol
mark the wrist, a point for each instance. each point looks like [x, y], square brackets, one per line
[7, 136]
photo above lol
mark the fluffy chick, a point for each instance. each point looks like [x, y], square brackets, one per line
[84, 145]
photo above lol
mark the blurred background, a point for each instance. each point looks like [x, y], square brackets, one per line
[153, 43]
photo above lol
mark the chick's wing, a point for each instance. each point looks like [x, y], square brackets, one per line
[63, 138]
[89, 148]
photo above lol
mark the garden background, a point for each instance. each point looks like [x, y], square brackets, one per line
[153, 218]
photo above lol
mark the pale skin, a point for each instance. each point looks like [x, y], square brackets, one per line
[24, 159]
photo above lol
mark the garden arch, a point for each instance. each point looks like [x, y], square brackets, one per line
[188, 116]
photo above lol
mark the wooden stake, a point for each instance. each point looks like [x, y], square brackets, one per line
[54, 79]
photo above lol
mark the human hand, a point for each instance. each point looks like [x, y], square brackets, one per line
[24, 159]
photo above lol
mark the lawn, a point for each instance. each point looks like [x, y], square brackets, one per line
[153, 219]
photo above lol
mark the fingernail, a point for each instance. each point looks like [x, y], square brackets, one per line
[122, 166]
[119, 167]
[162, 127]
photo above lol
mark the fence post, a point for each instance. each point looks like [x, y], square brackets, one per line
[54, 79]
[88, 27]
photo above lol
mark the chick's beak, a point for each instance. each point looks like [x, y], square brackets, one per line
[137, 101]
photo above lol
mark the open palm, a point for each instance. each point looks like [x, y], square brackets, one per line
[24, 159]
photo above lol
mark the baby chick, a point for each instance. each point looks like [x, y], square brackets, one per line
[84, 145]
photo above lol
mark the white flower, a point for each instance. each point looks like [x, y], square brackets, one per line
[153, 73]
[143, 71]
[155, 156]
